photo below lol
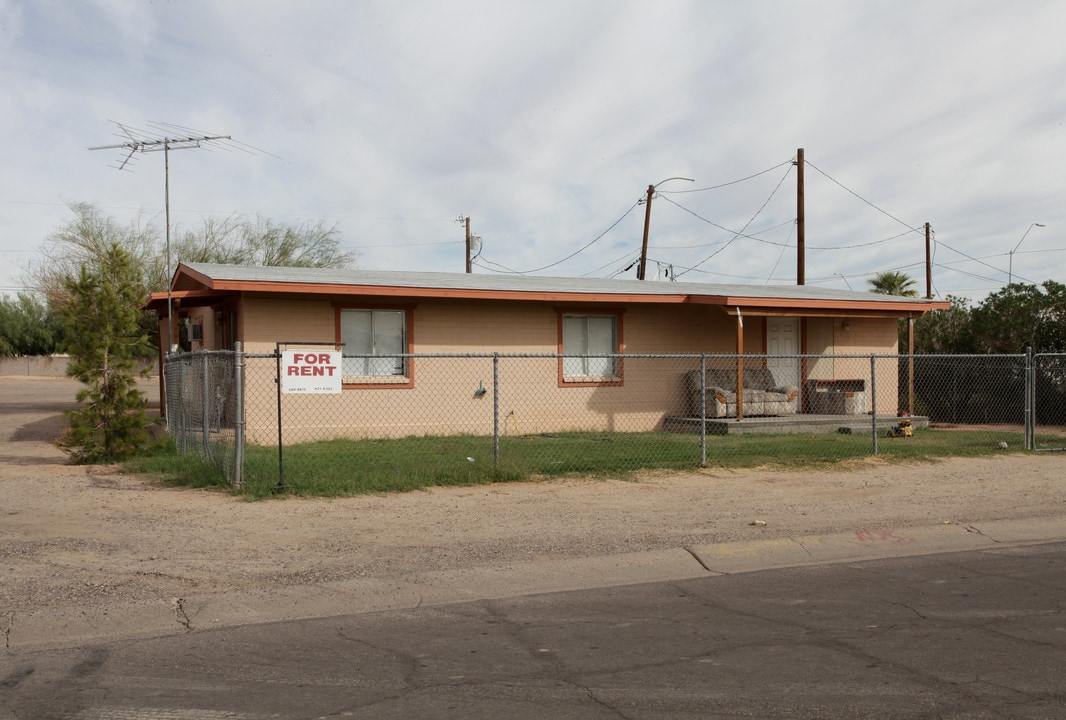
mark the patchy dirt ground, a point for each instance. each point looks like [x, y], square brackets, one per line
[76, 535]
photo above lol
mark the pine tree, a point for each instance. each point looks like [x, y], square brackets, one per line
[104, 337]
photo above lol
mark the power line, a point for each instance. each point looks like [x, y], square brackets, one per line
[970, 257]
[784, 247]
[628, 254]
[749, 222]
[860, 197]
[732, 182]
[394, 245]
[576, 252]
[504, 268]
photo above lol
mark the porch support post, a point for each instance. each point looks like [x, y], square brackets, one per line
[740, 365]
[910, 364]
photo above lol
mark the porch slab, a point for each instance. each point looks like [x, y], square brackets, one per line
[771, 425]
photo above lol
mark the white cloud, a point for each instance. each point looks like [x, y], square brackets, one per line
[545, 122]
[11, 22]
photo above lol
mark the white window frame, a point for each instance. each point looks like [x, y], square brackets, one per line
[389, 370]
[582, 334]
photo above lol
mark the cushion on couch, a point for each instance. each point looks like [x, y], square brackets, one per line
[762, 395]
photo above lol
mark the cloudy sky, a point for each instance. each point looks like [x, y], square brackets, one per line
[546, 121]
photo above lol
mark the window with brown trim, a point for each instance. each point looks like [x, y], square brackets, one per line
[375, 341]
[586, 340]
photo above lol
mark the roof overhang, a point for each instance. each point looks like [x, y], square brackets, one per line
[199, 286]
[184, 298]
[823, 308]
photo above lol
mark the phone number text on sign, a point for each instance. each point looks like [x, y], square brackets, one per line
[311, 372]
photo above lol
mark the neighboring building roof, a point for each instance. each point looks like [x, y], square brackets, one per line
[198, 282]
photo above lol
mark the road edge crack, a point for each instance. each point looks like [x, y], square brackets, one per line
[180, 614]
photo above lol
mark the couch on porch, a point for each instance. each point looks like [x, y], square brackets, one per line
[762, 394]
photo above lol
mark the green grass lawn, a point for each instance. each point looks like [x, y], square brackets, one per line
[350, 467]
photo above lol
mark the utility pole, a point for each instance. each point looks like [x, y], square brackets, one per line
[469, 265]
[928, 266]
[473, 243]
[647, 223]
[801, 229]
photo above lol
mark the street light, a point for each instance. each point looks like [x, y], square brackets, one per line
[1010, 263]
[647, 223]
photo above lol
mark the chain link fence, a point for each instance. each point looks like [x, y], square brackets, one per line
[204, 411]
[1048, 401]
[465, 417]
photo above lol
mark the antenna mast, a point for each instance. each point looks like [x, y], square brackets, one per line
[136, 144]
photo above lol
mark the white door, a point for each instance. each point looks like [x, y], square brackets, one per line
[782, 338]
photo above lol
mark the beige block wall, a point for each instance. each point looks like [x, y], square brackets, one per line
[444, 399]
[856, 336]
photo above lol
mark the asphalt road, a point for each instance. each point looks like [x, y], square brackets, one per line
[977, 634]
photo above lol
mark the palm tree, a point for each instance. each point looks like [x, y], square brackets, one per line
[891, 282]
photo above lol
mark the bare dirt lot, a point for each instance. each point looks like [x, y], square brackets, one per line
[73, 535]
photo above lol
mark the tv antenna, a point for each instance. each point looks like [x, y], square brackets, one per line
[161, 139]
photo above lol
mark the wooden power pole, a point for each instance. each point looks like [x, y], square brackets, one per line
[928, 266]
[800, 221]
[469, 262]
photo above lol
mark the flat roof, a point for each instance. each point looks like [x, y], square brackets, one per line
[193, 279]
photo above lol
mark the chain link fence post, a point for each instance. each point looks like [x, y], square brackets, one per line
[496, 409]
[703, 410]
[205, 407]
[873, 400]
[238, 419]
[1030, 430]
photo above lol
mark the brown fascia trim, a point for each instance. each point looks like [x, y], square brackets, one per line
[158, 301]
[784, 307]
[761, 306]
[445, 293]
[190, 274]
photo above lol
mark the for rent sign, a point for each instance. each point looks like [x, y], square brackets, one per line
[311, 371]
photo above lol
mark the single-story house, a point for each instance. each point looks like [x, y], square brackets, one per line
[382, 315]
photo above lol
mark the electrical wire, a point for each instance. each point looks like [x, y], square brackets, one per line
[733, 182]
[790, 221]
[932, 263]
[584, 247]
[393, 245]
[504, 268]
[784, 247]
[629, 254]
[749, 222]
[627, 268]
[970, 257]
[860, 197]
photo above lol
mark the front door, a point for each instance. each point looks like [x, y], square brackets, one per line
[782, 339]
